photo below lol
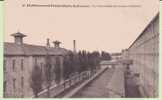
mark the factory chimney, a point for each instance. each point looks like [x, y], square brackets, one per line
[74, 46]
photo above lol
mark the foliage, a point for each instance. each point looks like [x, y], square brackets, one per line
[36, 80]
[105, 56]
[79, 62]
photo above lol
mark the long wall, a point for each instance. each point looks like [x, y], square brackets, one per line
[145, 55]
[17, 80]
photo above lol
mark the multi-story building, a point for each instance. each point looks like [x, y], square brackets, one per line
[19, 60]
[144, 52]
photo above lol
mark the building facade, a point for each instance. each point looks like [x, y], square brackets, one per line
[19, 60]
[145, 55]
[116, 56]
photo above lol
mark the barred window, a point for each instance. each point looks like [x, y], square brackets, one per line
[41, 66]
[13, 64]
[36, 62]
[14, 84]
[4, 65]
[22, 82]
[22, 64]
[4, 87]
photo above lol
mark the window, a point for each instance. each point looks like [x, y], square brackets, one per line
[35, 61]
[13, 64]
[41, 66]
[14, 84]
[4, 87]
[22, 82]
[22, 64]
[57, 70]
[4, 65]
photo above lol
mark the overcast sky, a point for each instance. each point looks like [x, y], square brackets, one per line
[108, 29]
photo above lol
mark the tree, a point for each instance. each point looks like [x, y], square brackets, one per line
[66, 68]
[36, 80]
[70, 64]
[105, 56]
[80, 61]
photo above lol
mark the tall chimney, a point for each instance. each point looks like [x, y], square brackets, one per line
[18, 37]
[74, 46]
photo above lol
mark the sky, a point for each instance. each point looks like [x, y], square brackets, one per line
[105, 29]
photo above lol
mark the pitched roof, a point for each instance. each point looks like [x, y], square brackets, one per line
[18, 34]
[13, 49]
[143, 31]
[26, 49]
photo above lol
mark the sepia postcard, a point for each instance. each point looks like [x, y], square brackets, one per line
[81, 49]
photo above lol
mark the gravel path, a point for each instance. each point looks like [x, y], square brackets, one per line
[97, 88]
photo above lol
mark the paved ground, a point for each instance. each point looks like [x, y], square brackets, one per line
[97, 88]
[116, 85]
[131, 89]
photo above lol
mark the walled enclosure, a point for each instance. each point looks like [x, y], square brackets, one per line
[145, 55]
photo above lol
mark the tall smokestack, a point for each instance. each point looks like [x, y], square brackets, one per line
[74, 44]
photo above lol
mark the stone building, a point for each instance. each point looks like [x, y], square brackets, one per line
[144, 52]
[116, 56]
[20, 58]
